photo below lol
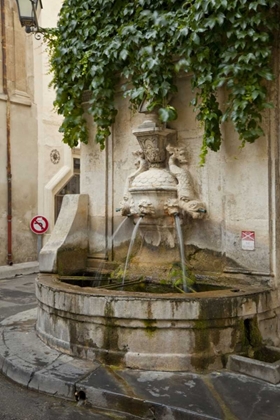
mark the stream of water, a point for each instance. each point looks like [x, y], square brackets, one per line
[182, 254]
[98, 275]
[133, 236]
[117, 230]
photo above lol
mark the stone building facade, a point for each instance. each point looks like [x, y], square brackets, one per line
[40, 164]
[55, 159]
[18, 140]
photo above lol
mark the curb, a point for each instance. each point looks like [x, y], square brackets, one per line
[25, 359]
[7, 272]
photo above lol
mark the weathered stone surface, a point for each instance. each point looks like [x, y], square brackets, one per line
[66, 250]
[173, 332]
[265, 371]
[227, 185]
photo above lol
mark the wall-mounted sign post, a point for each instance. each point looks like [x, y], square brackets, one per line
[39, 225]
[248, 240]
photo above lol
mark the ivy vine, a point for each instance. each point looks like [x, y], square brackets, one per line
[144, 44]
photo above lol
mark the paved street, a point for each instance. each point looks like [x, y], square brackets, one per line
[17, 295]
[17, 403]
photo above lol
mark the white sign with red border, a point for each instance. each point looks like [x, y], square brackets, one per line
[39, 225]
[248, 240]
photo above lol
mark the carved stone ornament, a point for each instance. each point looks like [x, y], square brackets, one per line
[55, 156]
[160, 188]
[187, 199]
[152, 148]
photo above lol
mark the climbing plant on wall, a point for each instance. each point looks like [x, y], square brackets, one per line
[143, 44]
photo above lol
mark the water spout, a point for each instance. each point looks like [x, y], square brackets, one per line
[133, 236]
[182, 254]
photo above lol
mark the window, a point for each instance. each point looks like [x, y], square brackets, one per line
[72, 187]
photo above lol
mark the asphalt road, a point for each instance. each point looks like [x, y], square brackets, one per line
[18, 403]
[17, 295]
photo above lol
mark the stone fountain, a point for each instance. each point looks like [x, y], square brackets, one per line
[158, 190]
[173, 331]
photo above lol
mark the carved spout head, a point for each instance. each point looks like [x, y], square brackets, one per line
[171, 207]
[146, 208]
[195, 208]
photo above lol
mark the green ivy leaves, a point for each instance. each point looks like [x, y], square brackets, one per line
[145, 43]
[169, 113]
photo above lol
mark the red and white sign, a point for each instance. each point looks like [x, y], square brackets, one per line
[248, 240]
[39, 225]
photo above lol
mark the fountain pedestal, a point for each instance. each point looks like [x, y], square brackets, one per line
[171, 332]
[158, 191]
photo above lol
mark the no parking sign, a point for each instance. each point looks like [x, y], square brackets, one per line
[248, 240]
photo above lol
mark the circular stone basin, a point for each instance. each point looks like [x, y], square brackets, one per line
[169, 332]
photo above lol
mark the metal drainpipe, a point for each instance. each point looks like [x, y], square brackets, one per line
[8, 134]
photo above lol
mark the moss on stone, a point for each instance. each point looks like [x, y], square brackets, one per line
[253, 333]
[202, 356]
[113, 355]
[150, 326]
[247, 336]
